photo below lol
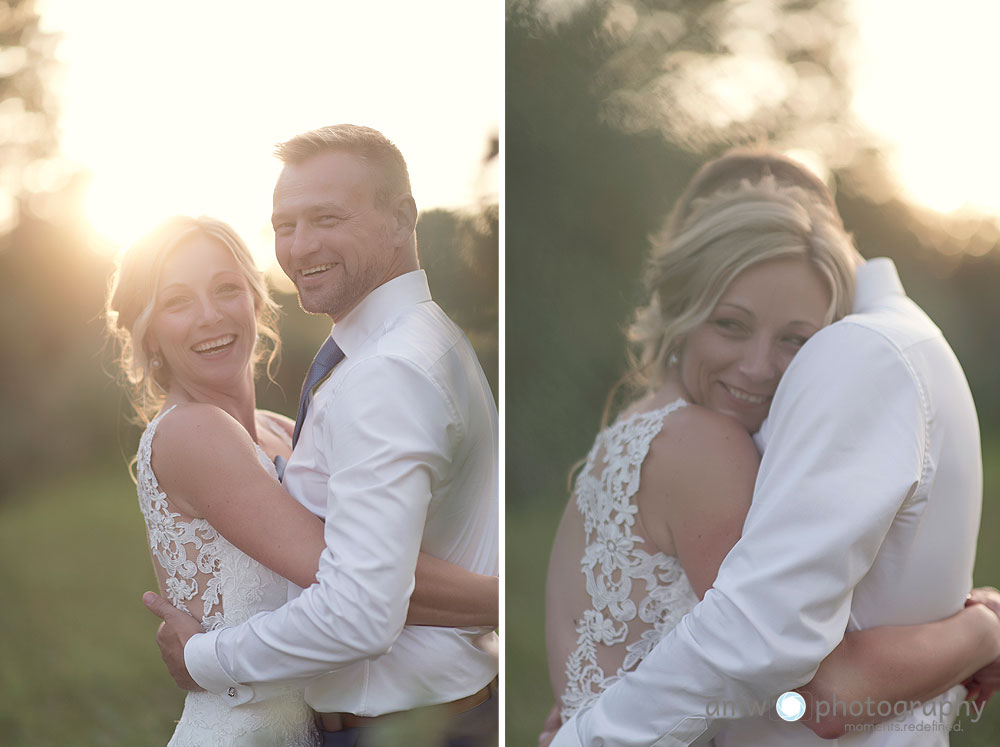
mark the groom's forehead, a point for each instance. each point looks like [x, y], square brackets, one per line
[335, 175]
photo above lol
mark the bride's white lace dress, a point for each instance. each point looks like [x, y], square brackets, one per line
[204, 571]
[636, 596]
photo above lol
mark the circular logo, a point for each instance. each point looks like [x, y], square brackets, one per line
[791, 706]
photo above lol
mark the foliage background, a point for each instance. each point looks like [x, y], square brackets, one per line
[78, 662]
[611, 106]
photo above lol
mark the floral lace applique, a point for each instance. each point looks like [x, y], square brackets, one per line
[605, 491]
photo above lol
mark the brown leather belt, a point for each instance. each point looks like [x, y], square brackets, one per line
[334, 722]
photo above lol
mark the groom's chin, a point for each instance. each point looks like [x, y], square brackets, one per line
[310, 303]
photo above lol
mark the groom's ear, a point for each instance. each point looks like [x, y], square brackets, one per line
[403, 211]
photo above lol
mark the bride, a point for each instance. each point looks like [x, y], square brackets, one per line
[754, 261]
[191, 311]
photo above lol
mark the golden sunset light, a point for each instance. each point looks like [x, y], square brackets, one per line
[175, 109]
[926, 82]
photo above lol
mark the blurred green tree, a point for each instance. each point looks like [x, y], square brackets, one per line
[55, 401]
[28, 112]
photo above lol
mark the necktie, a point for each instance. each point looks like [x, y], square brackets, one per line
[328, 356]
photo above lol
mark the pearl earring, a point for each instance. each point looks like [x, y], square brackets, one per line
[673, 359]
[156, 362]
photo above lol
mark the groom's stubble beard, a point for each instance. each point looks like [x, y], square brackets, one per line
[345, 292]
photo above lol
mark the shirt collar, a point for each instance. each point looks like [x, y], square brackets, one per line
[876, 279]
[378, 307]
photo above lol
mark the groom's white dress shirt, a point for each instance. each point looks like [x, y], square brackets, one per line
[398, 452]
[865, 513]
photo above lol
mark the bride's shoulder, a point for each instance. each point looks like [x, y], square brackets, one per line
[197, 449]
[180, 422]
[698, 421]
[196, 435]
[704, 463]
[698, 439]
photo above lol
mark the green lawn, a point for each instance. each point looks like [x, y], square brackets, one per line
[80, 664]
[529, 533]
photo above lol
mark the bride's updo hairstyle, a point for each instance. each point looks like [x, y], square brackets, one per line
[739, 210]
[132, 297]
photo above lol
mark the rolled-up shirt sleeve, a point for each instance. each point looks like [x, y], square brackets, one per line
[392, 431]
[846, 450]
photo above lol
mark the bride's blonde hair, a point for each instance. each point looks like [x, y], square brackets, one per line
[132, 295]
[739, 210]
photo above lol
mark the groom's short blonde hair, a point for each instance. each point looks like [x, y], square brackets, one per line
[369, 144]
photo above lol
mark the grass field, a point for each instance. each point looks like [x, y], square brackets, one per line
[79, 662]
[529, 534]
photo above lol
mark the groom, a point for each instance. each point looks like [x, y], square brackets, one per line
[395, 445]
[865, 513]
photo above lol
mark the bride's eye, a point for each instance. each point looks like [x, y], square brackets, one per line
[728, 325]
[796, 340]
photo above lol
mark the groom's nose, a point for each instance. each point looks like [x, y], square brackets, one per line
[303, 241]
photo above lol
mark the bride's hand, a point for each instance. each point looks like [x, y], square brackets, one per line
[175, 630]
[552, 724]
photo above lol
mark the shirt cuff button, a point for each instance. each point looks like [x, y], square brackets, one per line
[232, 692]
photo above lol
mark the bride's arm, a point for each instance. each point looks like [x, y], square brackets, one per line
[695, 490]
[207, 463]
[898, 664]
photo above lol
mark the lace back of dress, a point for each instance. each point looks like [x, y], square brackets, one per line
[186, 551]
[636, 596]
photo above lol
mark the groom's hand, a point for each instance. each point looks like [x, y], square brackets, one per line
[175, 630]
